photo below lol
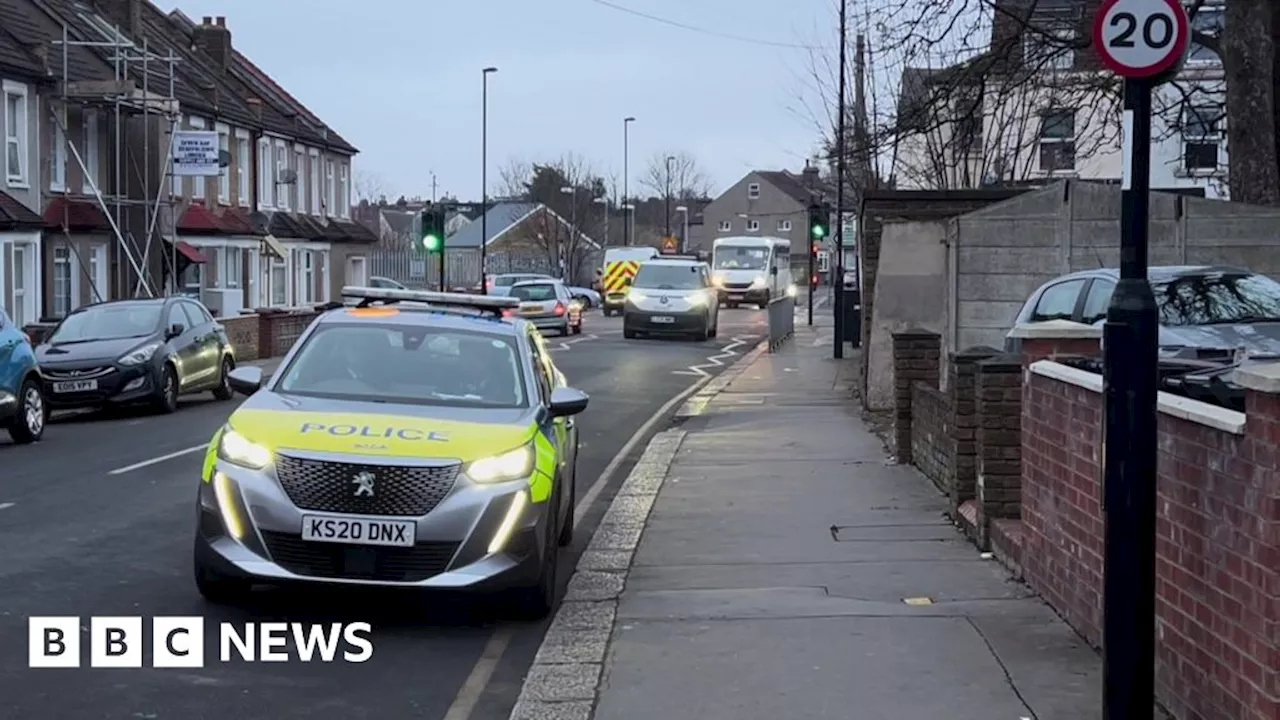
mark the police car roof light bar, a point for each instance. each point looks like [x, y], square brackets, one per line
[488, 303]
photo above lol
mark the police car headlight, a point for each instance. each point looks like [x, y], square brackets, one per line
[140, 355]
[759, 282]
[237, 450]
[508, 466]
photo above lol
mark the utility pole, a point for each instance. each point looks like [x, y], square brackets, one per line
[433, 187]
[626, 177]
[669, 159]
[838, 345]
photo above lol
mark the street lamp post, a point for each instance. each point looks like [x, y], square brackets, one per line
[484, 175]
[684, 233]
[669, 159]
[563, 252]
[626, 172]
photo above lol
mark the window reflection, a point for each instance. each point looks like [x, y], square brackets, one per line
[1217, 298]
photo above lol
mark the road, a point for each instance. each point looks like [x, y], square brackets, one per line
[98, 518]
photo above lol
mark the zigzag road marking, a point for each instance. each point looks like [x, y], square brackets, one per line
[726, 352]
[565, 345]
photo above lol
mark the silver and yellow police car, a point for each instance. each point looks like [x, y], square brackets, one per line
[416, 440]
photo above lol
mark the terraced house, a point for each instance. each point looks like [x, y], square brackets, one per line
[109, 83]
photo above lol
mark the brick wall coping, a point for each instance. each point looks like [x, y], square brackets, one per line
[1168, 403]
[1263, 378]
[1056, 330]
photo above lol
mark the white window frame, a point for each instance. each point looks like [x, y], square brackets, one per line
[753, 191]
[22, 264]
[99, 270]
[1214, 136]
[266, 196]
[300, 160]
[192, 280]
[1211, 7]
[231, 268]
[784, 226]
[92, 150]
[277, 264]
[725, 226]
[17, 132]
[64, 257]
[224, 174]
[1042, 53]
[330, 188]
[281, 163]
[244, 162]
[357, 270]
[753, 226]
[1042, 140]
[58, 165]
[317, 202]
[306, 294]
[344, 191]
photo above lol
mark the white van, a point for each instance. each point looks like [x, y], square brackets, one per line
[751, 270]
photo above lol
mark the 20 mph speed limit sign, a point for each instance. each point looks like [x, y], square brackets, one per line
[1141, 38]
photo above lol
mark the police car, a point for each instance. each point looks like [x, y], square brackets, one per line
[418, 439]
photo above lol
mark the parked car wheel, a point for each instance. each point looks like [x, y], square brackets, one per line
[28, 424]
[167, 399]
[223, 391]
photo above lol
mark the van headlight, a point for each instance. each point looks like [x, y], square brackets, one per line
[759, 282]
[238, 450]
[511, 465]
[717, 280]
[697, 299]
[636, 296]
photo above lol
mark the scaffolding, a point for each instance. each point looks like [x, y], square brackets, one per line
[143, 118]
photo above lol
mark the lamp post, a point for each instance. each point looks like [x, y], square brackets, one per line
[684, 233]
[563, 252]
[669, 159]
[626, 171]
[484, 175]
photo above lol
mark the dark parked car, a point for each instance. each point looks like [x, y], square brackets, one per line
[1206, 312]
[136, 351]
[22, 407]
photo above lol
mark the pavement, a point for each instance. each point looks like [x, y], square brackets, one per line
[97, 519]
[766, 560]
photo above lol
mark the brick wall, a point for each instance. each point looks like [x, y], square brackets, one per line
[243, 333]
[999, 443]
[962, 372]
[278, 331]
[916, 356]
[1218, 543]
[933, 451]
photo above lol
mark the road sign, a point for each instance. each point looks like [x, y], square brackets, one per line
[1141, 38]
[670, 245]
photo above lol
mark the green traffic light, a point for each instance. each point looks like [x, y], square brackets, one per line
[431, 242]
[819, 231]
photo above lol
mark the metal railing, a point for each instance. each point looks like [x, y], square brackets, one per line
[782, 320]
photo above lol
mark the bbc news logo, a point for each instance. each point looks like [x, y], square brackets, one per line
[179, 642]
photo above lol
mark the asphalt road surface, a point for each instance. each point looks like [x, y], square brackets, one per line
[97, 520]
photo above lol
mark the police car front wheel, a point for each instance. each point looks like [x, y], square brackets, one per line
[536, 601]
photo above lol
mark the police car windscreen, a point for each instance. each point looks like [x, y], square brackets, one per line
[410, 365]
[534, 293]
[740, 258]
[668, 277]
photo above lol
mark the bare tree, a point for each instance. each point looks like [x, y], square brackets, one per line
[370, 187]
[572, 220]
[686, 180]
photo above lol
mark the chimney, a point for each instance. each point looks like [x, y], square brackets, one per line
[126, 14]
[213, 39]
[255, 105]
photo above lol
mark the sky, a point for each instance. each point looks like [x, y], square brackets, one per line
[401, 80]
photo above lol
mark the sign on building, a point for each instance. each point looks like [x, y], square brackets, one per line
[195, 153]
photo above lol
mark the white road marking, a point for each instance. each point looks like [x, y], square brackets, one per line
[159, 459]
[6, 506]
[726, 352]
[469, 694]
[565, 345]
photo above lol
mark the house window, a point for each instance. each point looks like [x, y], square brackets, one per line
[224, 175]
[266, 197]
[725, 226]
[315, 184]
[63, 281]
[98, 271]
[344, 193]
[243, 160]
[231, 265]
[1208, 21]
[1049, 48]
[18, 307]
[306, 278]
[300, 165]
[193, 279]
[1201, 136]
[58, 172]
[278, 280]
[753, 191]
[282, 190]
[92, 151]
[1058, 140]
[357, 271]
[330, 189]
[15, 133]
[784, 226]
[753, 226]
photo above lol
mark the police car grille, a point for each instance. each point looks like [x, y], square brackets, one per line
[397, 490]
[359, 562]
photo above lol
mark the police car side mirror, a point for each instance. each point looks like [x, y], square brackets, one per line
[245, 380]
[567, 401]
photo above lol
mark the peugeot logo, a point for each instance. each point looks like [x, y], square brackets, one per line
[364, 484]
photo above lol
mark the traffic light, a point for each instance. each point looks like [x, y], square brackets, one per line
[433, 222]
[818, 216]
